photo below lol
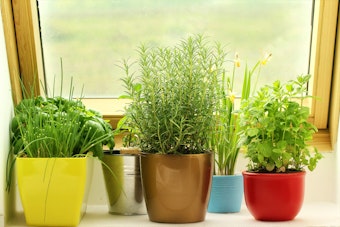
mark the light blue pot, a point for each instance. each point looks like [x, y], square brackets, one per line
[226, 194]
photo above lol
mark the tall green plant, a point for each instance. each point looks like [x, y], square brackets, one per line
[225, 140]
[174, 95]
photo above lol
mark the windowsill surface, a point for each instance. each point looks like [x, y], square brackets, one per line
[311, 214]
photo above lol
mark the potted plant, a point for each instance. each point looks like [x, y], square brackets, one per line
[52, 139]
[276, 131]
[173, 103]
[227, 186]
[124, 187]
[128, 136]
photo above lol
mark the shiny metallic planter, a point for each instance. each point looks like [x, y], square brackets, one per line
[123, 184]
[176, 187]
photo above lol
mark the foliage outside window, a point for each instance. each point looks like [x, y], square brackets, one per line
[24, 50]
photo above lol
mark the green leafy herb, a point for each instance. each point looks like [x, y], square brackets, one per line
[276, 130]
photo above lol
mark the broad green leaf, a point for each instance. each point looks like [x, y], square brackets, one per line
[252, 132]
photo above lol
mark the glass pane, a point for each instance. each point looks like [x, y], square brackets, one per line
[93, 36]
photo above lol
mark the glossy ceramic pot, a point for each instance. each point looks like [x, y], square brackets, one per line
[274, 196]
[176, 187]
[54, 191]
[226, 194]
[123, 184]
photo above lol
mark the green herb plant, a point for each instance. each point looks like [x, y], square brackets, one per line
[126, 130]
[174, 95]
[225, 141]
[275, 128]
[56, 127]
[129, 138]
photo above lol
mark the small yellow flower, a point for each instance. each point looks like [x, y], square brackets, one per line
[212, 68]
[237, 60]
[232, 96]
[266, 58]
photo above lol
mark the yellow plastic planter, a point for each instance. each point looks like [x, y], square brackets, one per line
[53, 191]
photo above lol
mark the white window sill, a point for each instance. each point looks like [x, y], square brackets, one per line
[311, 214]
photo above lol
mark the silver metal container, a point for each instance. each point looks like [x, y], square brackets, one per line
[123, 184]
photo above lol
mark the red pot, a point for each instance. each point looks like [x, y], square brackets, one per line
[274, 196]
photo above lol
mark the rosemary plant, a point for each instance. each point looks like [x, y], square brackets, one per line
[174, 95]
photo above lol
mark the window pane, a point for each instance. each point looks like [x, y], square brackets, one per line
[93, 36]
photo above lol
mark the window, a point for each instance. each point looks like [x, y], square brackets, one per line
[27, 38]
[93, 36]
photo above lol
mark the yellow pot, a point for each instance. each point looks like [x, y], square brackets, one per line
[54, 191]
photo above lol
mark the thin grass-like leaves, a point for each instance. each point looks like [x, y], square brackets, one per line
[173, 108]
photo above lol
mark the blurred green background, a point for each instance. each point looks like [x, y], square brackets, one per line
[93, 36]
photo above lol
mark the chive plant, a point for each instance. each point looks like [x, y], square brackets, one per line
[56, 127]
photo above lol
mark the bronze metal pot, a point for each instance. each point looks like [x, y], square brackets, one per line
[176, 187]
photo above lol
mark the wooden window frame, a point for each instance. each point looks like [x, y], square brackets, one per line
[24, 54]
